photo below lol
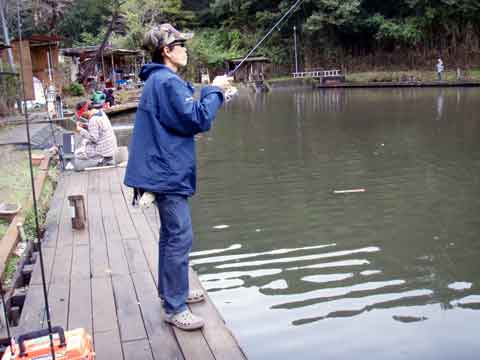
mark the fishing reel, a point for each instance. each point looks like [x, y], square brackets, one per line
[230, 93]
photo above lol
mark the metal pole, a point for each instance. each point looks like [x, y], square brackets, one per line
[34, 196]
[295, 45]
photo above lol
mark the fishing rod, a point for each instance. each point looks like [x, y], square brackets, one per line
[292, 8]
[35, 208]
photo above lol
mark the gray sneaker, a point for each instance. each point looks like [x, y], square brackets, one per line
[185, 320]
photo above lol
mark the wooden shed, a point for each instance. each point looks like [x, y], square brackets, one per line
[40, 60]
[116, 65]
[253, 69]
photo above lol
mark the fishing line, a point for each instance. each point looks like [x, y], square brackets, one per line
[292, 8]
[35, 209]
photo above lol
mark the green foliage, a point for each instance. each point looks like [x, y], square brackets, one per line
[75, 89]
[3, 227]
[10, 268]
[211, 47]
[405, 33]
[84, 23]
[29, 224]
[230, 28]
[141, 14]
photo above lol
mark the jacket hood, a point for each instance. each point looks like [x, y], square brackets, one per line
[149, 69]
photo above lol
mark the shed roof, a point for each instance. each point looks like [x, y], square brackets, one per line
[251, 59]
[41, 40]
[90, 50]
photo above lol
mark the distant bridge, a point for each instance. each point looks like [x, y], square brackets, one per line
[323, 75]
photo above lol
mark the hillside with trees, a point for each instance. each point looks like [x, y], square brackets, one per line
[352, 34]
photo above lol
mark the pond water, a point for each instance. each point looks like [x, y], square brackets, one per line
[299, 271]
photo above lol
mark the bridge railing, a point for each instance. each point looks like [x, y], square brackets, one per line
[317, 74]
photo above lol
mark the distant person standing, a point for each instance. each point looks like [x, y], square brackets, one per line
[440, 68]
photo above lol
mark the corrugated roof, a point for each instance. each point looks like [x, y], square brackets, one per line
[86, 50]
[251, 59]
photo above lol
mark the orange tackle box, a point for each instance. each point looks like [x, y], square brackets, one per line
[69, 345]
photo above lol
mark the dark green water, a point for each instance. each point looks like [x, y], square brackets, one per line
[300, 272]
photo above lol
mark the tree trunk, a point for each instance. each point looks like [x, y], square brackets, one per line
[6, 36]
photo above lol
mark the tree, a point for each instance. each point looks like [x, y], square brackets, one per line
[117, 25]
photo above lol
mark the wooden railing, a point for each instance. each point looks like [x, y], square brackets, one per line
[317, 74]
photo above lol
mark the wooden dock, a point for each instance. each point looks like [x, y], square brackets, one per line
[400, 84]
[103, 278]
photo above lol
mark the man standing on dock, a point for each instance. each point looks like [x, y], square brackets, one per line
[162, 160]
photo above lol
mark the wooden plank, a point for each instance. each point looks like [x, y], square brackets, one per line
[137, 350]
[80, 307]
[107, 346]
[135, 256]
[127, 228]
[148, 240]
[162, 338]
[53, 216]
[80, 263]
[48, 257]
[98, 245]
[115, 249]
[153, 220]
[103, 305]
[128, 312]
[148, 243]
[33, 311]
[116, 255]
[193, 344]
[58, 299]
[62, 265]
[218, 336]
[145, 286]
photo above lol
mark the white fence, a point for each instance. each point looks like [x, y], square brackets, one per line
[317, 74]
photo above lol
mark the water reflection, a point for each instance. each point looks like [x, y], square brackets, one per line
[440, 101]
[391, 273]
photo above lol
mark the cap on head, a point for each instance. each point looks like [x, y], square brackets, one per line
[162, 35]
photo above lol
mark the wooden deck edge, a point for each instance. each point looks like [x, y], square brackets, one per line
[11, 237]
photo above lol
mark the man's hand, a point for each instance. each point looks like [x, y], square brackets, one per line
[80, 126]
[223, 82]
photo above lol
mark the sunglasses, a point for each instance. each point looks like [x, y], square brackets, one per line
[181, 44]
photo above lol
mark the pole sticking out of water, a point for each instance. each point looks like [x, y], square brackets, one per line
[349, 191]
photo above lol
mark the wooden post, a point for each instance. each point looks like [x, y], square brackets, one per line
[79, 215]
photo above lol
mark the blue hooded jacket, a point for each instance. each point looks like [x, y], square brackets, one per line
[162, 149]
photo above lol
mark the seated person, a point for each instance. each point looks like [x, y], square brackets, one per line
[99, 142]
[110, 99]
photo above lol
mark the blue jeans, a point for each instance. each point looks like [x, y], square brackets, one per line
[176, 236]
